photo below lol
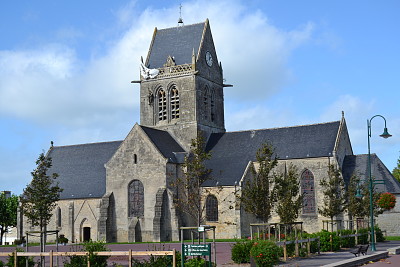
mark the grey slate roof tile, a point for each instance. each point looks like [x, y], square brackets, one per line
[81, 168]
[232, 151]
[358, 165]
[164, 142]
[178, 42]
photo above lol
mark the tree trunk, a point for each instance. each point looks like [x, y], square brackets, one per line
[1, 235]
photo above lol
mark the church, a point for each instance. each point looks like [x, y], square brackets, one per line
[120, 191]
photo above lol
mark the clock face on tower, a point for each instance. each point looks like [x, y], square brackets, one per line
[209, 59]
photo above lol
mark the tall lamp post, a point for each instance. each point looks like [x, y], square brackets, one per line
[371, 181]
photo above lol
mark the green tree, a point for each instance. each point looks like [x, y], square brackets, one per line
[40, 196]
[334, 202]
[286, 190]
[256, 195]
[396, 170]
[358, 207]
[8, 213]
[190, 194]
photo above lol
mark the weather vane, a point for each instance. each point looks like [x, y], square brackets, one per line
[180, 21]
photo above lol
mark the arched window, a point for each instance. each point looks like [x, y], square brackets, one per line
[135, 199]
[212, 105]
[211, 208]
[308, 191]
[162, 105]
[174, 100]
[206, 98]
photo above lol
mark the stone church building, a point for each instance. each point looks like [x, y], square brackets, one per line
[120, 191]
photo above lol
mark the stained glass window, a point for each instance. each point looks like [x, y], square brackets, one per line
[136, 199]
[162, 105]
[174, 94]
[308, 190]
[211, 208]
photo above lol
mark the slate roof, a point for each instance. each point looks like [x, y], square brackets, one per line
[232, 151]
[178, 42]
[165, 143]
[358, 164]
[81, 168]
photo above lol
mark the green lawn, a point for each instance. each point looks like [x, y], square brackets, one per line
[392, 238]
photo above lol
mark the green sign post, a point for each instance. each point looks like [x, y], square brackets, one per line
[196, 250]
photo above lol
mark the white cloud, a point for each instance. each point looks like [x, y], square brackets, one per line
[53, 85]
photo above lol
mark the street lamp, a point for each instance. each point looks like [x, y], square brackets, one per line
[371, 181]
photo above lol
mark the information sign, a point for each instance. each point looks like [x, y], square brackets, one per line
[196, 250]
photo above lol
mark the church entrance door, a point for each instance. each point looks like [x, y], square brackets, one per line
[86, 233]
[138, 232]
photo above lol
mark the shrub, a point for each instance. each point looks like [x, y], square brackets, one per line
[325, 241]
[240, 252]
[95, 261]
[21, 261]
[62, 239]
[160, 261]
[265, 253]
[363, 239]
[197, 262]
[19, 241]
[379, 234]
[347, 242]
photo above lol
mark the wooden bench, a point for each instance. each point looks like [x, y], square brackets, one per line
[360, 250]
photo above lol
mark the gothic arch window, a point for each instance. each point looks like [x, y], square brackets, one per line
[212, 105]
[135, 199]
[162, 105]
[174, 101]
[308, 191]
[211, 208]
[206, 99]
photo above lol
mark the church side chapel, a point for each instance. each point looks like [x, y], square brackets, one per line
[121, 191]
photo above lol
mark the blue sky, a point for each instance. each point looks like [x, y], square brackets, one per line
[66, 67]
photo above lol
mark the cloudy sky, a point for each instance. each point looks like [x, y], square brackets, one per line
[66, 67]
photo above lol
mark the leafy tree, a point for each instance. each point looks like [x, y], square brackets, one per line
[288, 201]
[358, 207]
[256, 194]
[40, 196]
[334, 194]
[190, 196]
[396, 170]
[8, 213]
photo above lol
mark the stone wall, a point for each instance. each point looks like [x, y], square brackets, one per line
[151, 170]
[75, 214]
[389, 220]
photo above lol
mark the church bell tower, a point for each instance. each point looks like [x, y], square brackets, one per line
[181, 86]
